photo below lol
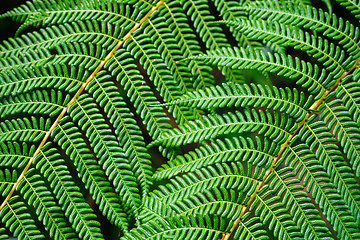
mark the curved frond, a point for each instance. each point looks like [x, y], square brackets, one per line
[285, 100]
[212, 126]
[307, 75]
[229, 150]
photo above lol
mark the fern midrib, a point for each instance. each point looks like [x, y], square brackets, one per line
[100, 66]
[314, 107]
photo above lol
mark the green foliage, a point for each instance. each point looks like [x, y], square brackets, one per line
[181, 119]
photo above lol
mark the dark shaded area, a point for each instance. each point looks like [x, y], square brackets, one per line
[7, 26]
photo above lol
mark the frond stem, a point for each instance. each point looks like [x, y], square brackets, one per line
[81, 89]
[313, 107]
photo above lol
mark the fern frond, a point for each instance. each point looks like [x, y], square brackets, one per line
[219, 202]
[352, 5]
[45, 102]
[48, 38]
[153, 208]
[315, 181]
[332, 57]
[51, 166]
[158, 73]
[7, 179]
[19, 221]
[272, 213]
[229, 150]
[235, 95]
[14, 154]
[108, 97]
[308, 17]
[232, 175]
[69, 139]
[111, 156]
[308, 75]
[49, 213]
[195, 227]
[349, 92]
[344, 129]
[251, 229]
[24, 130]
[164, 42]
[275, 127]
[281, 183]
[211, 35]
[177, 22]
[139, 92]
[333, 164]
[55, 77]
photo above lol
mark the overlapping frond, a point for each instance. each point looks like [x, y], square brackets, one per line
[19, 221]
[258, 141]
[330, 55]
[81, 217]
[69, 139]
[214, 125]
[196, 227]
[308, 17]
[49, 213]
[235, 95]
[111, 156]
[306, 74]
[230, 150]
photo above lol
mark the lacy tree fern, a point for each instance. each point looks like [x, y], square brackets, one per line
[96, 91]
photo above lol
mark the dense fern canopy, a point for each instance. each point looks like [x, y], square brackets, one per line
[181, 119]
